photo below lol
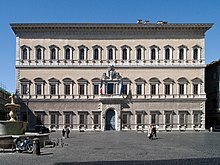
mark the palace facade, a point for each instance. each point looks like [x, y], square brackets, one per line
[91, 76]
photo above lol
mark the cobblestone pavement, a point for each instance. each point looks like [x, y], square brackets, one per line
[126, 148]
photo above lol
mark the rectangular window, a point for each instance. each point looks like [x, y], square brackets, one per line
[39, 119]
[38, 89]
[197, 118]
[81, 54]
[110, 54]
[139, 54]
[139, 89]
[54, 120]
[124, 119]
[95, 89]
[53, 89]
[182, 119]
[167, 89]
[181, 89]
[24, 89]
[168, 119]
[139, 119]
[153, 118]
[67, 89]
[68, 120]
[53, 54]
[83, 120]
[153, 89]
[96, 54]
[97, 120]
[81, 89]
[195, 89]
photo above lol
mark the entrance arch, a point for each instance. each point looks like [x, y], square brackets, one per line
[110, 120]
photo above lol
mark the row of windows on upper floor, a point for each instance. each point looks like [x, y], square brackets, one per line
[123, 87]
[111, 51]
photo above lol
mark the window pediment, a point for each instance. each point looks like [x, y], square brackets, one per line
[40, 80]
[54, 80]
[53, 46]
[168, 80]
[182, 80]
[140, 80]
[82, 80]
[154, 80]
[96, 79]
[197, 80]
[68, 80]
[25, 80]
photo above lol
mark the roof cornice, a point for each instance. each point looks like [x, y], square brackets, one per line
[148, 26]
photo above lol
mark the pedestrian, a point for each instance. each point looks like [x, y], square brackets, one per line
[67, 132]
[64, 131]
[149, 132]
[154, 132]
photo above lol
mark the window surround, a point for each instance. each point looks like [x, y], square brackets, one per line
[95, 81]
[70, 114]
[41, 82]
[185, 118]
[113, 48]
[156, 113]
[185, 49]
[166, 48]
[156, 48]
[83, 49]
[140, 81]
[170, 82]
[71, 49]
[56, 82]
[182, 81]
[83, 82]
[170, 113]
[99, 48]
[142, 49]
[40, 49]
[27, 53]
[142, 114]
[127, 50]
[55, 123]
[199, 52]
[84, 120]
[56, 49]
[68, 81]
[154, 81]
[196, 81]
[25, 86]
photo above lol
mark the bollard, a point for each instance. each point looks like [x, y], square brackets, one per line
[36, 146]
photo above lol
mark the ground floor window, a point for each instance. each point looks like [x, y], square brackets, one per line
[182, 118]
[168, 118]
[140, 118]
[68, 119]
[83, 119]
[154, 118]
[54, 120]
[126, 119]
[97, 119]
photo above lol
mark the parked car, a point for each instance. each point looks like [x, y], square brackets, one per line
[42, 129]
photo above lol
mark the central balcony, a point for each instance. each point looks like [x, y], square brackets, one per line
[111, 98]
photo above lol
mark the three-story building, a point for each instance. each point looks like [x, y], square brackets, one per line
[91, 76]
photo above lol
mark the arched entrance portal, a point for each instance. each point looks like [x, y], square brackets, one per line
[110, 120]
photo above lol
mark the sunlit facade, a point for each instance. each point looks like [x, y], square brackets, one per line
[112, 76]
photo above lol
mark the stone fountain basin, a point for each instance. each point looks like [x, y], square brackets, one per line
[13, 127]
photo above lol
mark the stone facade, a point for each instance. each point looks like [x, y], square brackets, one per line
[112, 76]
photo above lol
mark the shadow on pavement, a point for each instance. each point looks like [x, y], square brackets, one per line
[193, 161]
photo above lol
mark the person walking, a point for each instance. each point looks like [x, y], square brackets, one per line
[154, 132]
[149, 132]
[63, 132]
[67, 132]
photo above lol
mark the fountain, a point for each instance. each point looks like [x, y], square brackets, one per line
[11, 126]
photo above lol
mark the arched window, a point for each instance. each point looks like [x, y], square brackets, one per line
[167, 54]
[181, 54]
[81, 54]
[67, 54]
[24, 54]
[96, 54]
[53, 54]
[110, 54]
[139, 52]
[153, 54]
[39, 54]
[195, 54]
[124, 54]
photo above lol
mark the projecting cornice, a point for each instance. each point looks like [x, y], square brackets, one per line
[103, 29]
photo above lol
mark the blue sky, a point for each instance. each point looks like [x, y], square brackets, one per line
[102, 11]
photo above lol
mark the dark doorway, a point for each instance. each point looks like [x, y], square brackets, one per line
[110, 120]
